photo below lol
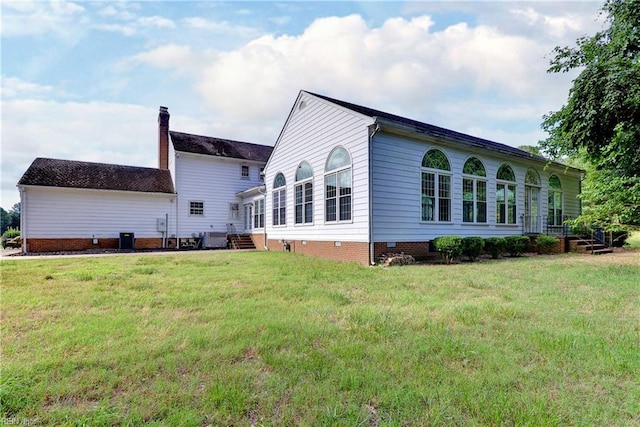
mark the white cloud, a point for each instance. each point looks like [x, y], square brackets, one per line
[169, 56]
[27, 18]
[219, 27]
[156, 22]
[13, 87]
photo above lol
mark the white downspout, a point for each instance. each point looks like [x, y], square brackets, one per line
[373, 129]
[23, 218]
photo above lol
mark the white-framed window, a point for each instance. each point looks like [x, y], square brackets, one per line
[244, 171]
[234, 210]
[436, 187]
[474, 191]
[279, 200]
[196, 208]
[262, 174]
[505, 195]
[338, 187]
[555, 201]
[258, 213]
[304, 194]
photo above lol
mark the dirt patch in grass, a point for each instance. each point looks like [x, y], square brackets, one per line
[617, 257]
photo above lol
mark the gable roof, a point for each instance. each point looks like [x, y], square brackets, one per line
[97, 176]
[219, 147]
[438, 132]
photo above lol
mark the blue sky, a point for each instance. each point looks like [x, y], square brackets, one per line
[84, 80]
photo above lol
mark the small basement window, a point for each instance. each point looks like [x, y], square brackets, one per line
[196, 208]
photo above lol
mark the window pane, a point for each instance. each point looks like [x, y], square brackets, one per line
[467, 211]
[467, 190]
[279, 181]
[330, 210]
[512, 214]
[501, 213]
[298, 195]
[474, 166]
[304, 171]
[345, 208]
[532, 177]
[338, 158]
[330, 184]
[428, 184]
[428, 205]
[298, 214]
[308, 192]
[481, 211]
[500, 193]
[506, 173]
[481, 189]
[308, 213]
[511, 194]
[435, 159]
[554, 182]
[444, 210]
[344, 179]
[444, 186]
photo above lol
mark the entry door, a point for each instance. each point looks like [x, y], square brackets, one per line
[533, 222]
[248, 217]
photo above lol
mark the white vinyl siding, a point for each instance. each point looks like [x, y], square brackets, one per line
[215, 182]
[397, 184]
[310, 134]
[79, 213]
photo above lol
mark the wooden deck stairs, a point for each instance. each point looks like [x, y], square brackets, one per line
[589, 246]
[241, 241]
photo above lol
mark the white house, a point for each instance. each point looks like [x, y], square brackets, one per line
[343, 181]
[348, 182]
[71, 205]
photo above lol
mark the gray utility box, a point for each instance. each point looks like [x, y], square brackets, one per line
[213, 239]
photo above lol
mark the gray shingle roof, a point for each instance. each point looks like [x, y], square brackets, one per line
[437, 132]
[99, 176]
[197, 144]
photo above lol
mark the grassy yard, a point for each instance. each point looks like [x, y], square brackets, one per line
[219, 338]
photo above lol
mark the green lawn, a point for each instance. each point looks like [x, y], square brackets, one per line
[219, 338]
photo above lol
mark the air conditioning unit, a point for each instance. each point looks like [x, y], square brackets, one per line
[213, 239]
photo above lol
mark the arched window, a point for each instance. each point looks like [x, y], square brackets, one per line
[304, 194]
[279, 200]
[436, 187]
[505, 195]
[337, 184]
[555, 201]
[474, 191]
[532, 178]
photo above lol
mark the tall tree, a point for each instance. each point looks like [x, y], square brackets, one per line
[14, 214]
[5, 220]
[602, 115]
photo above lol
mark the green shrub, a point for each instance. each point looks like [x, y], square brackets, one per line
[546, 244]
[10, 233]
[494, 246]
[517, 245]
[449, 246]
[472, 246]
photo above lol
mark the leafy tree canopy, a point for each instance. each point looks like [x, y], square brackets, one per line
[602, 115]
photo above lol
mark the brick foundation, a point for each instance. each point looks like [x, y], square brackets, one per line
[35, 245]
[417, 250]
[345, 251]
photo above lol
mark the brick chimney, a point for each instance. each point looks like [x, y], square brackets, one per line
[163, 138]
